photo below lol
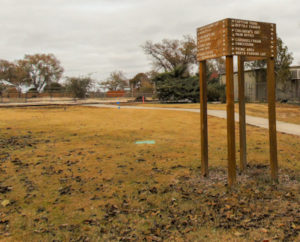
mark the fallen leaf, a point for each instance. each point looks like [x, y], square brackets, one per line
[238, 234]
[5, 203]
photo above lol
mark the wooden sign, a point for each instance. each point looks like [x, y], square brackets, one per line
[236, 37]
[249, 40]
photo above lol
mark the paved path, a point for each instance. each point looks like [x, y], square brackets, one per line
[283, 127]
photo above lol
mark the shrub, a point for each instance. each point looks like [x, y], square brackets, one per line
[216, 92]
[33, 92]
[54, 87]
[179, 86]
[79, 86]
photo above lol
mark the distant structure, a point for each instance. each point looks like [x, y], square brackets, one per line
[120, 93]
[295, 81]
[8, 89]
[256, 86]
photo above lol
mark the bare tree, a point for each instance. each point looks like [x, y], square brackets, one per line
[79, 86]
[13, 73]
[41, 69]
[169, 54]
[116, 81]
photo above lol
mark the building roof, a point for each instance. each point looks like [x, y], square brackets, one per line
[295, 67]
[6, 83]
[257, 69]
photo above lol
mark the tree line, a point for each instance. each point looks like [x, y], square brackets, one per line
[41, 73]
[174, 74]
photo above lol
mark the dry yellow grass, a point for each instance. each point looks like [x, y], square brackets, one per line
[285, 112]
[72, 168]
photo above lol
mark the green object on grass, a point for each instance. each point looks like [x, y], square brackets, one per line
[149, 142]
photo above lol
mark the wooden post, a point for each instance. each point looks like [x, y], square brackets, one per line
[230, 121]
[203, 119]
[242, 114]
[272, 118]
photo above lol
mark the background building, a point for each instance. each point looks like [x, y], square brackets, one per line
[256, 86]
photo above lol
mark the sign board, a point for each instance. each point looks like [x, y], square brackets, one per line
[236, 37]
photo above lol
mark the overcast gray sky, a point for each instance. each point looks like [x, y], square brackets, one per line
[100, 36]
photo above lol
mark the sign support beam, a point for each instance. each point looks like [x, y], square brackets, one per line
[203, 119]
[272, 118]
[230, 121]
[242, 114]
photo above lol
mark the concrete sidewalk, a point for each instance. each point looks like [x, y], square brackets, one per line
[282, 127]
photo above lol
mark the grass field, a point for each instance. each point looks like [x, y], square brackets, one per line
[285, 112]
[75, 173]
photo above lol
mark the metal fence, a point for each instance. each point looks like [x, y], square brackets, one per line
[45, 97]
[256, 92]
